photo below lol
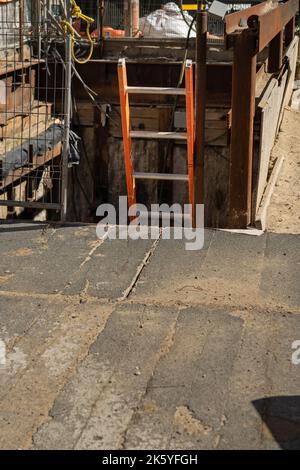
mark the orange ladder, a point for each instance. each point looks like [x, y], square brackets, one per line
[128, 134]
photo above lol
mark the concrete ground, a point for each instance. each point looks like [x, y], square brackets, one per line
[284, 210]
[142, 344]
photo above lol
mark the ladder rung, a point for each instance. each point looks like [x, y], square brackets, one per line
[158, 135]
[160, 176]
[146, 90]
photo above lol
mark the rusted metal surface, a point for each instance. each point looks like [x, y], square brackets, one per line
[201, 89]
[249, 32]
[271, 23]
[131, 17]
[241, 149]
[238, 20]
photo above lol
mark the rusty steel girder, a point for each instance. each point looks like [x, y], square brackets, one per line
[266, 20]
[249, 32]
[238, 21]
[272, 23]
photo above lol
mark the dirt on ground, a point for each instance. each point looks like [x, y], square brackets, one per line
[284, 209]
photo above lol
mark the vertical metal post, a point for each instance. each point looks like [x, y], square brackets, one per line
[21, 27]
[131, 17]
[201, 78]
[135, 9]
[127, 18]
[241, 148]
[67, 118]
[290, 31]
[36, 20]
[101, 24]
[275, 53]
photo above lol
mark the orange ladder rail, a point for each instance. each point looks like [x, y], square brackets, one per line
[189, 136]
[125, 116]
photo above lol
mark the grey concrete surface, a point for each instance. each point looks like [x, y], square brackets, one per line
[129, 345]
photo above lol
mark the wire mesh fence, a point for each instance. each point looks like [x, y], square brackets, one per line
[33, 84]
[161, 19]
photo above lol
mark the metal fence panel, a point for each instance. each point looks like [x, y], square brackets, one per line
[33, 116]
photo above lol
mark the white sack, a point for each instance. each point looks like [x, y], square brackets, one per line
[167, 23]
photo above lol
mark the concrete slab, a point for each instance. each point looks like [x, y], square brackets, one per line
[228, 270]
[111, 268]
[95, 408]
[45, 261]
[281, 273]
[40, 364]
[161, 378]
[185, 398]
[198, 355]
[69, 260]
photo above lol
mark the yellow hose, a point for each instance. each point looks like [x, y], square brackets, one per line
[77, 13]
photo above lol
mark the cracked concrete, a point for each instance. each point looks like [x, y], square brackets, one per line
[114, 345]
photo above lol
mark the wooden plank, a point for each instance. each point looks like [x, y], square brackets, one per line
[20, 99]
[30, 133]
[38, 161]
[272, 104]
[270, 112]
[155, 119]
[261, 217]
[18, 124]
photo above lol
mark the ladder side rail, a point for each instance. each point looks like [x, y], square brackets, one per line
[125, 117]
[190, 126]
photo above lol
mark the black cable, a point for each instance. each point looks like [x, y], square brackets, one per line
[171, 143]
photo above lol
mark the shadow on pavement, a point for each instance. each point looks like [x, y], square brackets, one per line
[281, 416]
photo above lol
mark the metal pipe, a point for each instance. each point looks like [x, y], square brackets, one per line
[131, 17]
[36, 20]
[21, 26]
[67, 118]
[200, 91]
[101, 10]
[135, 8]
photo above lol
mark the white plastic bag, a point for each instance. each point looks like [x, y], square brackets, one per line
[167, 23]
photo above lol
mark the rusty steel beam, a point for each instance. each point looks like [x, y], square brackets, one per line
[201, 91]
[238, 20]
[272, 23]
[241, 147]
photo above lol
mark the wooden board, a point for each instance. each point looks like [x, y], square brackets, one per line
[38, 114]
[38, 161]
[32, 132]
[156, 119]
[18, 99]
[275, 98]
